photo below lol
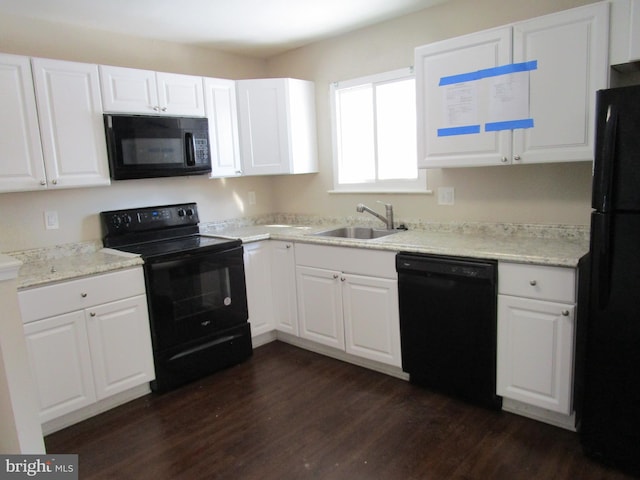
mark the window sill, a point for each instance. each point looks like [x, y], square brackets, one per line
[383, 192]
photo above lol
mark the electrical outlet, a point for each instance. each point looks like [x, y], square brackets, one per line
[446, 196]
[252, 198]
[51, 220]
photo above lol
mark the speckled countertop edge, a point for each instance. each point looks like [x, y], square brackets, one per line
[42, 266]
[553, 245]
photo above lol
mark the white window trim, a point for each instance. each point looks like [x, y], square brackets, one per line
[418, 186]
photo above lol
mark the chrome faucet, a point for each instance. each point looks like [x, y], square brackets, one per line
[388, 220]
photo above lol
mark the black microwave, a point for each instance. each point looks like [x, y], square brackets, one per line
[142, 146]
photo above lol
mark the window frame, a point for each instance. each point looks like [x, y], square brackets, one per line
[418, 185]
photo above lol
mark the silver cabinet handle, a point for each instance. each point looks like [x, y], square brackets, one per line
[565, 313]
[335, 276]
[342, 279]
[43, 182]
[55, 182]
[83, 295]
[164, 109]
[533, 283]
[93, 314]
[504, 159]
[517, 158]
[288, 246]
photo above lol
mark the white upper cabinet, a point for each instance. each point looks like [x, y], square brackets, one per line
[222, 113]
[537, 106]
[71, 125]
[571, 50]
[446, 111]
[625, 31]
[51, 129]
[130, 90]
[22, 166]
[277, 126]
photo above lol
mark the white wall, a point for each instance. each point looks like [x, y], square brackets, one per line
[533, 194]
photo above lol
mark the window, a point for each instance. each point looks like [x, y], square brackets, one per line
[374, 134]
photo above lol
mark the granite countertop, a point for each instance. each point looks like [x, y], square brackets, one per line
[554, 246]
[549, 245]
[65, 262]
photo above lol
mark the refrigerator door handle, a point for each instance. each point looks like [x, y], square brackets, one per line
[608, 153]
[602, 258]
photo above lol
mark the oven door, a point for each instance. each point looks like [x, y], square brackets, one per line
[195, 295]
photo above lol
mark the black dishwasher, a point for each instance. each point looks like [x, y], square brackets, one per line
[448, 324]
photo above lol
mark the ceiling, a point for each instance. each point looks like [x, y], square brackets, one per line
[250, 27]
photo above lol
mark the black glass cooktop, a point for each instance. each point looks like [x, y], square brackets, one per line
[180, 245]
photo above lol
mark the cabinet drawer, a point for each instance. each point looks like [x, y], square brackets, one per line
[360, 261]
[537, 281]
[63, 297]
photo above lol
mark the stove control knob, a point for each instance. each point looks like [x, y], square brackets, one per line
[116, 221]
[189, 212]
[126, 219]
[181, 212]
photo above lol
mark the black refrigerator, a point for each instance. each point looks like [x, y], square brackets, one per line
[609, 401]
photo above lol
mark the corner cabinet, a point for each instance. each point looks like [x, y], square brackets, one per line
[277, 124]
[536, 330]
[87, 340]
[130, 90]
[570, 49]
[63, 144]
[348, 300]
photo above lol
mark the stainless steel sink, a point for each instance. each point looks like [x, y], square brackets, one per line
[361, 233]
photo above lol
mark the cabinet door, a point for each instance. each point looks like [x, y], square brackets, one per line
[283, 281]
[129, 90]
[22, 166]
[222, 112]
[120, 345]
[371, 318]
[262, 117]
[257, 270]
[535, 352]
[571, 50]
[180, 94]
[61, 364]
[320, 313]
[70, 113]
[459, 107]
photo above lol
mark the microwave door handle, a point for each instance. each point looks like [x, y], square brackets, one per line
[190, 147]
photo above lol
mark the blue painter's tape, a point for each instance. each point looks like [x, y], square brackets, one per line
[509, 125]
[466, 130]
[489, 72]
[460, 78]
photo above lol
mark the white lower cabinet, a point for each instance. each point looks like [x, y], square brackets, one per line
[320, 306]
[257, 271]
[536, 330]
[348, 300]
[61, 364]
[120, 345]
[283, 281]
[100, 347]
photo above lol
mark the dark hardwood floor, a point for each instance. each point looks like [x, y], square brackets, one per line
[291, 414]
